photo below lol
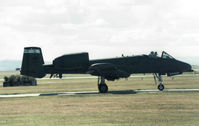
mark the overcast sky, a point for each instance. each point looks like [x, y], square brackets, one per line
[104, 28]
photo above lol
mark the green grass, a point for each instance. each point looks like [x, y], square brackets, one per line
[140, 109]
[63, 85]
[143, 109]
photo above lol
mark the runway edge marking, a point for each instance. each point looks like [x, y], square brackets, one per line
[93, 92]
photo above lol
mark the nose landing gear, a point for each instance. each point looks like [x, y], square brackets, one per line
[160, 86]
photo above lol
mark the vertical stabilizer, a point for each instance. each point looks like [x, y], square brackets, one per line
[32, 64]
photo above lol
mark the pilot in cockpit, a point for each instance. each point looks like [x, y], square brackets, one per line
[153, 54]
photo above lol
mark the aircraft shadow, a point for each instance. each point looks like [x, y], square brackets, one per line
[112, 92]
[122, 92]
[88, 93]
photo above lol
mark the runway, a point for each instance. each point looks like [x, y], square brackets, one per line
[96, 92]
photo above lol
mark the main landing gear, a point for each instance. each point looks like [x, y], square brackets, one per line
[102, 87]
[159, 77]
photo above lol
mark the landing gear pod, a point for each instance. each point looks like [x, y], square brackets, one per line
[32, 64]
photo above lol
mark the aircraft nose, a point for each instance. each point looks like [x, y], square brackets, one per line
[187, 67]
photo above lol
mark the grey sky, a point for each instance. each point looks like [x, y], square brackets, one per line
[104, 28]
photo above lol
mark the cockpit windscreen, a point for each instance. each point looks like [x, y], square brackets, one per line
[166, 56]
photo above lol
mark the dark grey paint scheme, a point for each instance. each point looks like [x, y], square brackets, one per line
[110, 69]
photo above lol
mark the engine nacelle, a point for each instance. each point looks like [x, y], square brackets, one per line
[79, 61]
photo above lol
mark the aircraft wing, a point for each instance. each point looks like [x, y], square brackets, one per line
[108, 71]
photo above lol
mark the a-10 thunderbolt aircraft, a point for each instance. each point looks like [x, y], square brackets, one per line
[106, 69]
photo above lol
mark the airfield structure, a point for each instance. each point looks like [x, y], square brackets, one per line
[17, 80]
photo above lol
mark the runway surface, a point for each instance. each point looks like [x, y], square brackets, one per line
[96, 92]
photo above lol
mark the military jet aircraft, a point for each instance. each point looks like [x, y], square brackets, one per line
[106, 69]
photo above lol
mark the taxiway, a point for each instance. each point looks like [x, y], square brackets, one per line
[96, 92]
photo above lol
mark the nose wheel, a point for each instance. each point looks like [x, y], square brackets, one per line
[159, 77]
[161, 87]
[102, 87]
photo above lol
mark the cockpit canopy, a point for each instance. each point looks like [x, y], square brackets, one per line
[163, 56]
[166, 55]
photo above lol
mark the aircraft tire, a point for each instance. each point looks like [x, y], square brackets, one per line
[103, 88]
[160, 87]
